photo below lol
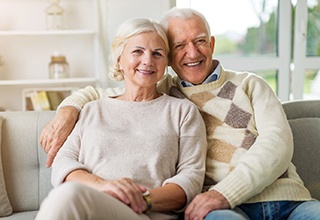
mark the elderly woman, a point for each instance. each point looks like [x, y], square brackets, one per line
[140, 155]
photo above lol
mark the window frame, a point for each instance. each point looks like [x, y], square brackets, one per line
[300, 59]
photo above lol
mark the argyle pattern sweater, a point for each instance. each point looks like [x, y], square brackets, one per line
[250, 144]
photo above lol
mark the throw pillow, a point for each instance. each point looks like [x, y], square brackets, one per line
[5, 206]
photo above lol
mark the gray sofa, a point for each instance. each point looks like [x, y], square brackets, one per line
[25, 181]
[304, 119]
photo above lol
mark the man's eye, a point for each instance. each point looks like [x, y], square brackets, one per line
[200, 41]
[179, 46]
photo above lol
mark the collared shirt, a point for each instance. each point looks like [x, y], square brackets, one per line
[212, 77]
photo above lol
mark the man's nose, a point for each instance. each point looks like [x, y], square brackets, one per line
[192, 50]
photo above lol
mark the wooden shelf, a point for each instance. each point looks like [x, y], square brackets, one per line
[26, 47]
[47, 33]
[46, 82]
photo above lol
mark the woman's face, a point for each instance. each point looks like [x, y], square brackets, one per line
[143, 60]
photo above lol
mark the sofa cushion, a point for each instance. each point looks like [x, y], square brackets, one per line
[5, 206]
[26, 176]
[306, 152]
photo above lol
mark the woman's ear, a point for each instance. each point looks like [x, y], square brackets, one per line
[119, 63]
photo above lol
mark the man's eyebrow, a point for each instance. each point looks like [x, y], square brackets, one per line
[201, 35]
[178, 42]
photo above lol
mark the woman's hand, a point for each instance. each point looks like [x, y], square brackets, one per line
[124, 189]
[127, 191]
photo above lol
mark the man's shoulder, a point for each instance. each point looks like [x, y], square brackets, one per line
[240, 77]
[165, 84]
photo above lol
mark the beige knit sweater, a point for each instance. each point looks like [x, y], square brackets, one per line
[153, 142]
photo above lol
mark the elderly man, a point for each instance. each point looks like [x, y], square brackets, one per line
[249, 174]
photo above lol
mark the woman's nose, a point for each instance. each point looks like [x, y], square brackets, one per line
[147, 59]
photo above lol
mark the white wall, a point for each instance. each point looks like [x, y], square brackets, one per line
[121, 10]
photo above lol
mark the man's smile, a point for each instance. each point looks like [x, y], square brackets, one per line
[193, 64]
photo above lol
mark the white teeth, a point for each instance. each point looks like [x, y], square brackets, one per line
[145, 71]
[193, 64]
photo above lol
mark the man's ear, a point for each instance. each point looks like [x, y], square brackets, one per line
[212, 43]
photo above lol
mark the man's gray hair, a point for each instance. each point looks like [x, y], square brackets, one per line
[183, 13]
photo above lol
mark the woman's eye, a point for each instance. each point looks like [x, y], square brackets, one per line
[157, 54]
[137, 51]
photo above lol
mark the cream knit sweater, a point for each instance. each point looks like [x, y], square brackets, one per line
[250, 143]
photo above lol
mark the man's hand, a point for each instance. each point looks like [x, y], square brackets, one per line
[204, 203]
[57, 130]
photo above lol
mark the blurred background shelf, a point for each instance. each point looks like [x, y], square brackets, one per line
[26, 47]
[31, 82]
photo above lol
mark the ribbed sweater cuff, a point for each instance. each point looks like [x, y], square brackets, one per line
[235, 191]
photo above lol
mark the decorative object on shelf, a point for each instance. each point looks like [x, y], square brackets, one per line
[58, 67]
[54, 15]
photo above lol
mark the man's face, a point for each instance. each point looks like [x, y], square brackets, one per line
[191, 49]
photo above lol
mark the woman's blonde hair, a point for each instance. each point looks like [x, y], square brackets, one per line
[128, 29]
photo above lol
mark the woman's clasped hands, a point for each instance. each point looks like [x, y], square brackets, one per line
[127, 191]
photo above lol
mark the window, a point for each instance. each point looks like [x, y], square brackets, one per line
[260, 36]
[306, 60]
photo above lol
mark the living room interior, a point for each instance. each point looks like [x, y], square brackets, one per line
[276, 39]
[285, 51]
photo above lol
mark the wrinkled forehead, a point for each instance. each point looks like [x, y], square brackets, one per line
[180, 30]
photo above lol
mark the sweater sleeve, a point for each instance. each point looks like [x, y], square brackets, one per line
[192, 153]
[81, 97]
[269, 157]
[67, 159]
